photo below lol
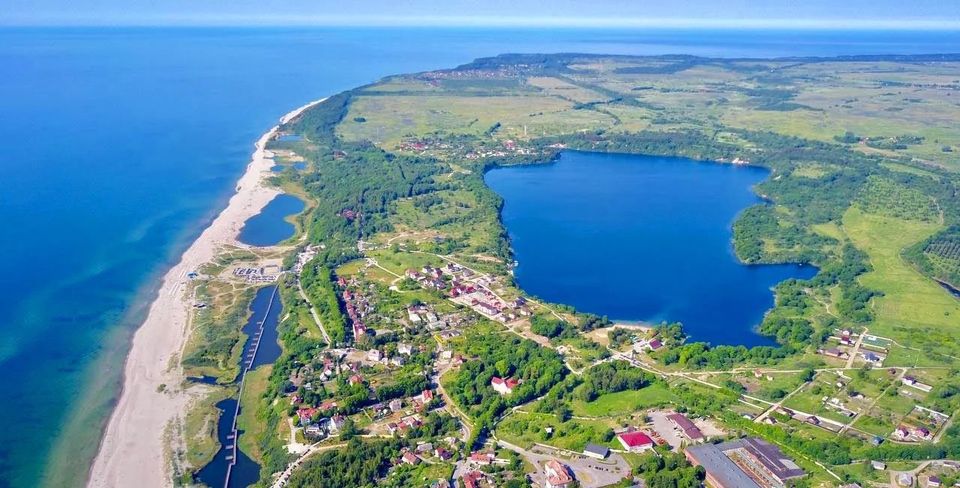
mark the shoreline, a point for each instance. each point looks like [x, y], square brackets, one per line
[132, 447]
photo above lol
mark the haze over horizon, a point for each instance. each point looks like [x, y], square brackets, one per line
[824, 14]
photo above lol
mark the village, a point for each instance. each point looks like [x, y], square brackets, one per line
[387, 382]
[404, 333]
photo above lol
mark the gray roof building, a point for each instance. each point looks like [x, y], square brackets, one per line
[597, 451]
[746, 463]
[721, 471]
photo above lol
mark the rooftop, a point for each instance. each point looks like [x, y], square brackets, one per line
[719, 466]
[691, 430]
[597, 449]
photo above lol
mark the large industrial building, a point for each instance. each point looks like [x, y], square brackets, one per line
[744, 463]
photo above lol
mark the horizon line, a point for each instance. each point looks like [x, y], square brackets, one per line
[486, 21]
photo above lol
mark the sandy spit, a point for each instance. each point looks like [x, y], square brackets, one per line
[132, 450]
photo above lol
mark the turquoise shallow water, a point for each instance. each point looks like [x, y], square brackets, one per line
[124, 142]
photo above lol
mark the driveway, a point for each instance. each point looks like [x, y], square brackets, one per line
[590, 472]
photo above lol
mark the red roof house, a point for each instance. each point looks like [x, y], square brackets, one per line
[635, 441]
[504, 386]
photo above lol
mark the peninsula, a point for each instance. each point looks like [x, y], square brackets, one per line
[153, 397]
[412, 355]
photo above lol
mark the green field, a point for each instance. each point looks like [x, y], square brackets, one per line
[914, 310]
[255, 384]
[526, 429]
[624, 402]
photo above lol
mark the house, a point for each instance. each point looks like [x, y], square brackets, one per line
[424, 397]
[635, 441]
[474, 479]
[395, 405]
[424, 447]
[410, 422]
[374, 355]
[355, 380]
[934, 481]
[878, 465]
[328, 405]
[872, 358]
[834, 353]
[482, 458]
[405, 349]
[336, 423]
[305, 415]
[655, 344]
[313, 430]
[558, 475]
[443, 453]
[504, 386]
[913, 382]
[901, 433]
[486, 308]
[596, 451]
[410, 458]
[688, 428]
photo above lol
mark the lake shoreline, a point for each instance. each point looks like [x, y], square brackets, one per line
[574, 192]
[132, 448]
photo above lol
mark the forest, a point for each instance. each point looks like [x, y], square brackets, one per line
[506, 356]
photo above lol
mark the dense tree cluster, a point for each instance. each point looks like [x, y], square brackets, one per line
[552, 327]
[665, 469]
[359, 464]
[317, 281]
[938, 255]
[700, 355]
[505, 356]
[612, 377]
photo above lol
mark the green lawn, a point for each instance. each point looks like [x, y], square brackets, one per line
[914, 310]
[624, 402]
[525, 429]
[255, 385]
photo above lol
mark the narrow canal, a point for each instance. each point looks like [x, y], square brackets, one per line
[230, 467]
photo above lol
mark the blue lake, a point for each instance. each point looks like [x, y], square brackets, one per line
[270, 227]
[640, 238]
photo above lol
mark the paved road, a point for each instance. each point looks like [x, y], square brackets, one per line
[285, 475]
[590, 472]
[313, 312]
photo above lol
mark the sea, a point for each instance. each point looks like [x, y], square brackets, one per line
[126, 141]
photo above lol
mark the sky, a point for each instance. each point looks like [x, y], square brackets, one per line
[839, 14]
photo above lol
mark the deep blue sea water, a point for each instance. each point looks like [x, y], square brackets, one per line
[640, 238]
[123, 143]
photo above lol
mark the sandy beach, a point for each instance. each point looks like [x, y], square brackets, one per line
[132, 451]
